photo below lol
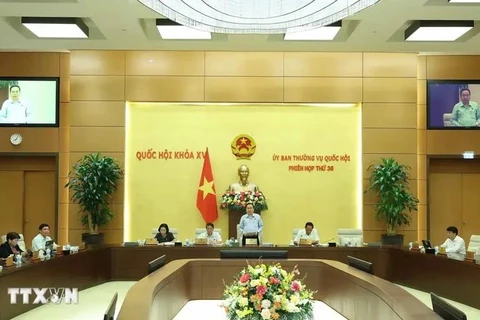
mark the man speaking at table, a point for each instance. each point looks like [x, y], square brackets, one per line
[251, 225]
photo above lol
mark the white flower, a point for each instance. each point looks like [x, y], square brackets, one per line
[291, 308]
[266, 304]
[243, 302]
[277, 298]
[254, 283]
[266, 314]
[294, 299]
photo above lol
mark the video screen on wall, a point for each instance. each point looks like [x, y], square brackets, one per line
[453, 104]
[29, 102]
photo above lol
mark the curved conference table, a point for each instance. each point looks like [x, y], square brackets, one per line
[455, 280]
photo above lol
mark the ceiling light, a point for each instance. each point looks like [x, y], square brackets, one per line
[437, 30]
[324, 33]
[464, 1]
[56, 27]
[254, 16]
[170, 30]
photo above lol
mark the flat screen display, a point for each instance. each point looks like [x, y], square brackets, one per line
[29, 102]
[453, 104]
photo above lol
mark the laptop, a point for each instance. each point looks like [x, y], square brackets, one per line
[426, 244]
[49, 245]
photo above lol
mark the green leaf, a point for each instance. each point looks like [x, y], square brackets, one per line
[389, 181]
[92, 182]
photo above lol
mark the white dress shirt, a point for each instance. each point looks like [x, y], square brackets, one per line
[302, 234]
[214, 236]
[15, 112]
[251, 224]
[455, 248]
[39, 242]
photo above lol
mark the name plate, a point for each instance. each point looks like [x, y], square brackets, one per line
[151, 242]
[9, 261]
[305, 242]
[200, 242]
[36, 255]
[470, 255]
[251, 242]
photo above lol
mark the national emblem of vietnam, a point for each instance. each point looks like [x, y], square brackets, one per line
[243, 146]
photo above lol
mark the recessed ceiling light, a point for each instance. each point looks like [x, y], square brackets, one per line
[56, 27]
[324, 33]
[464, 1]
[437, 30]
[170, 30]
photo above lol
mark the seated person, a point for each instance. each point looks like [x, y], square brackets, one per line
[40, 241]
[454, 245]
[10, 246]
[308, 233]
[212, 237]
[164, 234]
[251, 225]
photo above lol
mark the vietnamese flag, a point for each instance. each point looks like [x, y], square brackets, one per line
[206, 197]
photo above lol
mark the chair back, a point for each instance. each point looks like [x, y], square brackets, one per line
[474, 243]
[21, 242]
[199, 231]
[353, 236]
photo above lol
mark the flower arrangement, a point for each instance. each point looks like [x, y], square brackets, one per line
[265, 292]
[238, 201]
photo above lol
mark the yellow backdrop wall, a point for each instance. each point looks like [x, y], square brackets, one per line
[297, 188]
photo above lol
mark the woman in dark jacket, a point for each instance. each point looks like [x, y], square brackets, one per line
[164, 234]
[10, 246]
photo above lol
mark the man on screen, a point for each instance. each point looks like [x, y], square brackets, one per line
[466, 113]
[14, 110]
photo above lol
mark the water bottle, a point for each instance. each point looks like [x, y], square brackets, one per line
[18, 260]
[187, 242]
[47, 253]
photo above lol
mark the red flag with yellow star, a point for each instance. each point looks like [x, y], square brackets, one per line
[206, 197]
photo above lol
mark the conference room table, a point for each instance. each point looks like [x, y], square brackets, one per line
[452, 279]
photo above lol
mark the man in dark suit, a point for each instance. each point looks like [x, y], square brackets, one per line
[10, 246]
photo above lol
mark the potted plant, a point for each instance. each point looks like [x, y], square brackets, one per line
[93, 181]
[389, 180]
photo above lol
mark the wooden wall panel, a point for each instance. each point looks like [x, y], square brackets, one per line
[244, 64]
[165, 63]
[96, 123]
[64, 77]
[391, 65]
[40, 140]
[386, 83]
[389, 115]
[323, 64]
[322, 90]
[390, 90]
[244, 89]
[159, 88]
[34, 140]
[94, 139]
[389, 141]
[30, 64]
[100, 88]
[97, 114]
[452, 142]
[390, 121]
[453, 67]
[97, 63]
